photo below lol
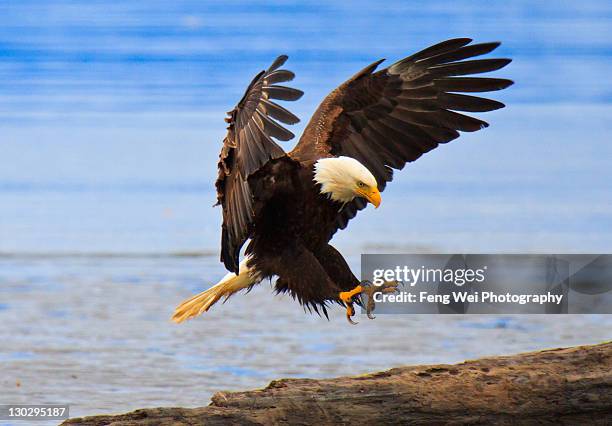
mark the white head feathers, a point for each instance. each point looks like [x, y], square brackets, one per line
[340, 176]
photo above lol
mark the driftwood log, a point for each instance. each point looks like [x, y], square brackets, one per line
[560, 386]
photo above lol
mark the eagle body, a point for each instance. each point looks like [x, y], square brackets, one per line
[288, 205]
[290, 237]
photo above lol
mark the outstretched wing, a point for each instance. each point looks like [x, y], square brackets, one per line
[387, 118]
[247, 146]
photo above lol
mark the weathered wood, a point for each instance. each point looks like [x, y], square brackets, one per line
[558, 386]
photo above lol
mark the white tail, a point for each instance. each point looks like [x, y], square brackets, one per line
[229, 285]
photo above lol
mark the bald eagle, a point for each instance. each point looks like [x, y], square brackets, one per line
[289, 205]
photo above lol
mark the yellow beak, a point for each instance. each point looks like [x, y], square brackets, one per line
[371, 194]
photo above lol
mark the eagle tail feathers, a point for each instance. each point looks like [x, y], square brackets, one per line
[229, 285]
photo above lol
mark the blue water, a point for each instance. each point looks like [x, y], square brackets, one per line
[111, 119]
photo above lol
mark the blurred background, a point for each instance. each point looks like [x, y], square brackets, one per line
[111, 119]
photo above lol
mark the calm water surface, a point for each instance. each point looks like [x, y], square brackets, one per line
[95, 332]
[110, 125]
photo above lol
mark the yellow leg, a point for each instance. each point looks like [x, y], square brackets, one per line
[347, 298]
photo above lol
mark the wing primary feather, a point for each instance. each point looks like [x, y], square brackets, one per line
[245, 155]
[410, 151]
[422, 105]
[461, 53]
[278, 112]
[368, 157]
[278, 62]
[273, 128]
[429, 91]
[468, 103]
[436, 49]
[441, 118]
[472, 84]
[412, 133]
[283, 93]
[462, 122]
[425, 137]
[378, 139]
[441, 47]
[275, 150]
[254, 150]
[476, 66]
[279, 76]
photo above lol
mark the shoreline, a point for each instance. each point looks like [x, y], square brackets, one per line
[545, 387]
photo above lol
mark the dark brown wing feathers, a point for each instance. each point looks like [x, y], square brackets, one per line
[247, 147]
[387, 118]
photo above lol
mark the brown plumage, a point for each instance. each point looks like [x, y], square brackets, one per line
[383, 119]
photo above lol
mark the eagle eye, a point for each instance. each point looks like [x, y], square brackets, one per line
[360, 184]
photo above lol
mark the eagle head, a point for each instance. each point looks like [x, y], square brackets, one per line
[344, 178]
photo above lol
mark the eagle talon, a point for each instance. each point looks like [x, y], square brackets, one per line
[350, 312]
[370, 290]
